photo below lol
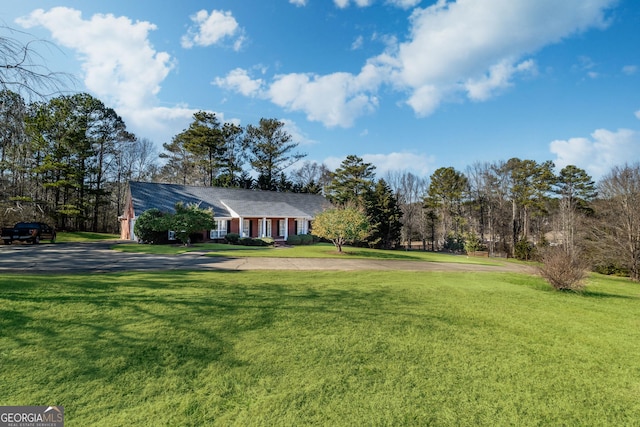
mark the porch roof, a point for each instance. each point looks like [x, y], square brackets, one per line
[260, 209]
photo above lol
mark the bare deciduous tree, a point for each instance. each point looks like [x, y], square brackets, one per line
[23, 69]
[410, 190]
[619, 228]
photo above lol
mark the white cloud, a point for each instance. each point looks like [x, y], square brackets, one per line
[357, 43]
[158, 123]
[238, 80]
[211, 29]
[335, 99]
[419, 164]
[119, 64]
[599, 153]
[297, 135]
[630, 69]
[298, 2]
[466, 41]
[498, 77]
[360, 3]
[470, 48]
[426, 99]
[404, 4]
[638, 114]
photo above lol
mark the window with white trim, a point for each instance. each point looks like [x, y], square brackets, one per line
[220, 230]
[282, 227]
[300, 226]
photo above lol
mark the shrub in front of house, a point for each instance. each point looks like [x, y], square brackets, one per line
[151, 227]
[250, 241]
[306, 239]
[301, 239]
[268, 241]
[244, 241]
[294, 240]
[232, 238]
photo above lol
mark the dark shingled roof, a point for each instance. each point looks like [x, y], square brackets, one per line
[226, 202]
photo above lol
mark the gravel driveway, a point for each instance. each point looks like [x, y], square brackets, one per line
[98, 257]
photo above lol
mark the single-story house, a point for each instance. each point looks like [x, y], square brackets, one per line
[249, 213]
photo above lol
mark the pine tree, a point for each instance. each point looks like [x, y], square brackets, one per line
[351, 181]
[575, 188]
[384, 215]
[204, 139]
[270, 151]
[445, 196]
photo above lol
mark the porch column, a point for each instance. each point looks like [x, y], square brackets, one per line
[264, 227]
[286, 228]
[240, 225]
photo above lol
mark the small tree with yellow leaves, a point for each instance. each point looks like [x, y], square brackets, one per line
[341, 226]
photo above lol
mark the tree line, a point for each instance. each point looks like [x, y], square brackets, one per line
[68, 160]
[517, 208]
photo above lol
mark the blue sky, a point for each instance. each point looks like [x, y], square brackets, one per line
[408, 85]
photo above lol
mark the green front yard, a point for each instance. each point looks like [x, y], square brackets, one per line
[320, 348]
[83, 236]
[318, 250]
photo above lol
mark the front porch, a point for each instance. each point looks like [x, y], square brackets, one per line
[278, 229]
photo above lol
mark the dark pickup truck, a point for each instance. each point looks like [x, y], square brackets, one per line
[30, 232]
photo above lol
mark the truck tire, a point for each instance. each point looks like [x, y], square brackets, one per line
[7, 241]
[36, 240]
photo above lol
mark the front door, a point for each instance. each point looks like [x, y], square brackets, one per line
[246, 228]
[267, 232]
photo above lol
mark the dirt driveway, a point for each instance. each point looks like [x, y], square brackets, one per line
[97, 257]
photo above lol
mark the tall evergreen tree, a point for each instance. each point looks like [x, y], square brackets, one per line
[529, 185]
[232, 157]
[270, 151]
[107, 134]
[60, 129]
[446, 191]
[180, 163]
[385, 216]
[576, 189]
[204, 139]
[351, 181]
[75, 141]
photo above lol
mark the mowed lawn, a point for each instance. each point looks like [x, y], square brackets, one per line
[321, 348]
[318, 250]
